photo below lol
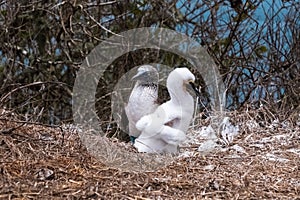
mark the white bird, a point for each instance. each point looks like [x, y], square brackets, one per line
[142, 100]
[164, 130]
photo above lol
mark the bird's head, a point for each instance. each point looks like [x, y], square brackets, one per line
[146, 73]
[182, 76]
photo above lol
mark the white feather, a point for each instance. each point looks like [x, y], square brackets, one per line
[164, 130]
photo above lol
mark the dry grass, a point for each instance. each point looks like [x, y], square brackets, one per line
[39, 162]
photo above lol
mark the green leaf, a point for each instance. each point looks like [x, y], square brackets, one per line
[260, 50]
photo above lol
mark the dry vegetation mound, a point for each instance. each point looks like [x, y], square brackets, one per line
[40, 162]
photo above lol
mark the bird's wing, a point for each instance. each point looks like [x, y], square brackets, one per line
[143, 122]
[166, 140]
[151, 124]
[157, 135]
[172, 136]
[173, 115]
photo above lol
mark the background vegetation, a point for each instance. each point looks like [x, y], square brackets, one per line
[255, 43]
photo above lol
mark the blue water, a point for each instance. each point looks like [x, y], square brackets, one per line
[262, 18]
[268, 14]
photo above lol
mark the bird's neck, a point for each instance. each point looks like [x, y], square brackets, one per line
[180, 96]
[149, 84]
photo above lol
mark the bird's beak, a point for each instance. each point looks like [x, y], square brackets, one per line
[194, 88]
[140, 73]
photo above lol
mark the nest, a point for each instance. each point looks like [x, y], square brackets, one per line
[42, 162]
